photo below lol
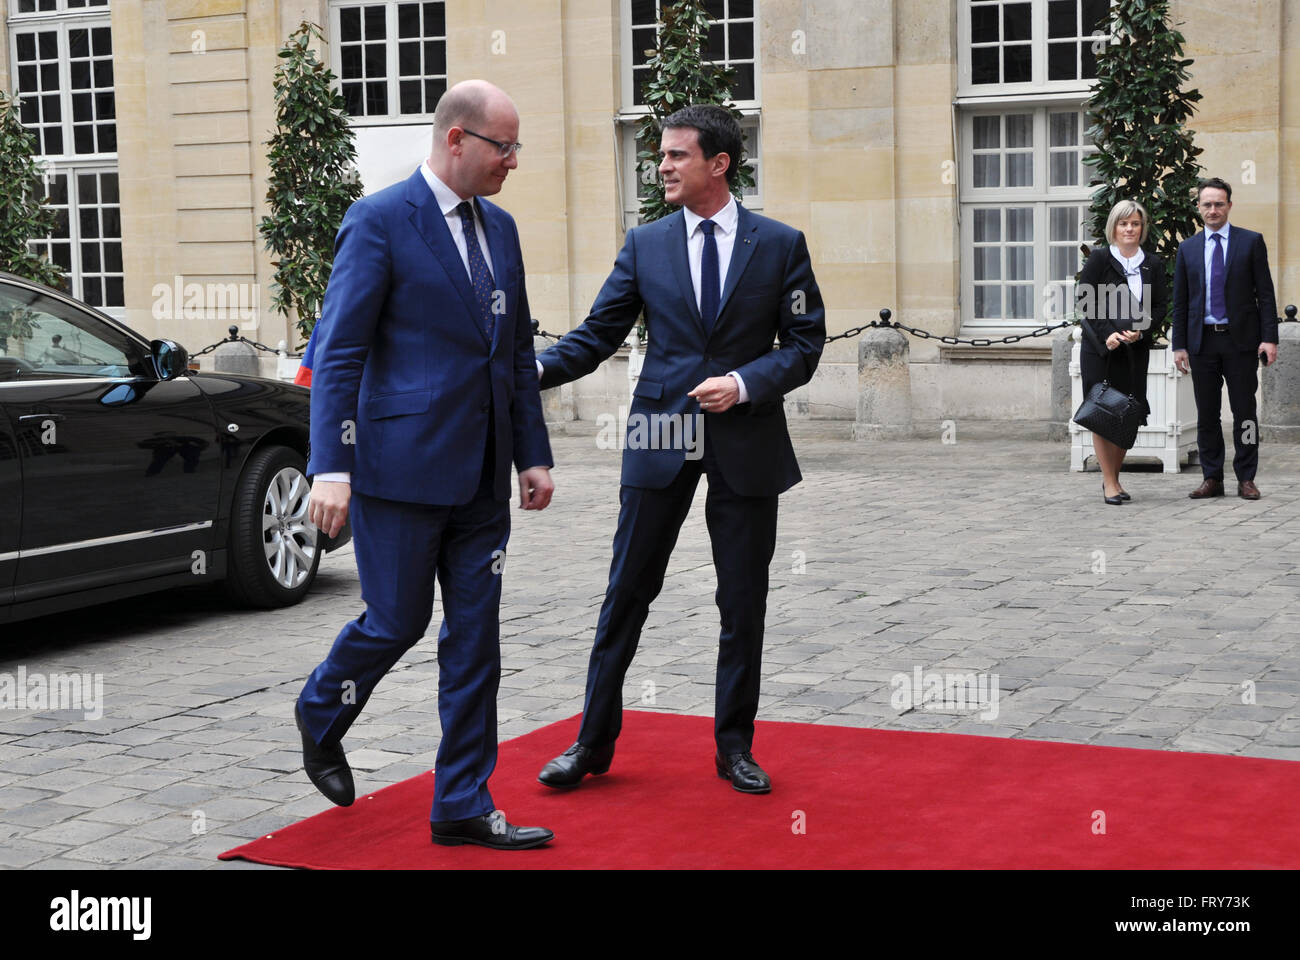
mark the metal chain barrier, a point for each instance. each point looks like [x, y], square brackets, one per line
[886, 322]
[236, 338]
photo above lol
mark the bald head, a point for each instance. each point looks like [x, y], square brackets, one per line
[467, 118]
[468, 104]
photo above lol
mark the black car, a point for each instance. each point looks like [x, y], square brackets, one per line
[121, 472]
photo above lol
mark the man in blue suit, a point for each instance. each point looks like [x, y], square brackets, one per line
[718, 285]
[424, 392]
[1225, 322]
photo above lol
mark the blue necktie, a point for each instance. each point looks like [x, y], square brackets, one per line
[479, 273]
[1218, 308]
[710, 293]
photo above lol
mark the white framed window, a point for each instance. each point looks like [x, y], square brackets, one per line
[62, 57]
[1019, 46]
[18, 8]
[1024, 205]
[390, 57]
[732, 42]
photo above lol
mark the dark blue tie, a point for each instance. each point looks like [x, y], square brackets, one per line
[1217, 307]
[710, 293]
[479, 273]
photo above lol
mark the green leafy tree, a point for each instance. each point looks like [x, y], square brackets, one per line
[1138, 115]
[24, 213]
[313, 178]
[679, 76]
[24, 216]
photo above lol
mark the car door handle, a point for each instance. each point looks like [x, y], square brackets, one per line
[34, 417]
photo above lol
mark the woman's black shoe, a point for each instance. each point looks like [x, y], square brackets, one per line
[1114, 501]
[1123, 494]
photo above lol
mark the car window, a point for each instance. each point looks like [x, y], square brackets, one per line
[43, 338]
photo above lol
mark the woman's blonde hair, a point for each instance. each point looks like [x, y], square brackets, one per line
[1122, 211]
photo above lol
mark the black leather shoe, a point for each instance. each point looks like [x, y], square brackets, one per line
[326, 767]
[489, 830]
[1115, 501]
[745, 775]
[568, 769]
[1123, 494]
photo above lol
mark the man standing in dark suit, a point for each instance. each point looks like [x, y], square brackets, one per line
[424, 392]
[1225, 321]
[718, 285]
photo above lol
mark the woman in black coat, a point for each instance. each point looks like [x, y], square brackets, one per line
[1121, 295]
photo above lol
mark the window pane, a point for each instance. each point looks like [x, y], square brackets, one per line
[376, 60]
[1060, 263]
[376, 98]
[352, 99]
[350, 63]
[988, 302]
[350, 24]
[408, 59]
[741, 8]
[409, 97]
[26, 46]
[1064, 129]
[435, 58]
[1020, 224]
[1020, 303]
[433, 91]
[988, 132]
[1020, 169]
[1016, 64]
[988, 225]
[1088, 64]
[1096, 14]
[1062, 19]
[1016, 21]
[374, 23]
[1064, 169]
[984, 65]
[1020, 130]
[1020, 263]
[744, 87]
[435, 20]
[1064, 224]
[984, 24]
[740, 40]
[1061, 64]
[988, 263]
[643, 11]
[987, 172]
[408, 20]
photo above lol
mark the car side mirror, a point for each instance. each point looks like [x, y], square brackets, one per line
[169, 359]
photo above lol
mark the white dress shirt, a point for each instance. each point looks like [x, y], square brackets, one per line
[1131, 266]
[724, 233]
[1209, 257]
[448, 200]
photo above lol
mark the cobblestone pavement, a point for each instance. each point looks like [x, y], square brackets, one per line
[1151, 625]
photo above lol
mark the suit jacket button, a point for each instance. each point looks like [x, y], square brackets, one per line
[483, 407]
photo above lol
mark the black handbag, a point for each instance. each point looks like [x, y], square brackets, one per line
[1106, 411]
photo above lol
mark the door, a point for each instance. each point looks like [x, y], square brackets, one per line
[120, 470]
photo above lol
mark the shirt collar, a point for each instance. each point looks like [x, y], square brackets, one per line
[725, 219]
[1222, 231]
[447, 198]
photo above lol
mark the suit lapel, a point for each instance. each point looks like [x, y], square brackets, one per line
[743, 248]
[1234, 247]
[675, 239]
[432, 227]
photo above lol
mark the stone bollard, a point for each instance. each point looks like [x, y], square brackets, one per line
[1279, 411]
[884, 386]
[1058, 428]
[236, 357]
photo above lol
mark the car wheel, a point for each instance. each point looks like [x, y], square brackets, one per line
[273, 546]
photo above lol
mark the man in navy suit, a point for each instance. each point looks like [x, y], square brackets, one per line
[1225, 322]
[718, 285]
[424, 392]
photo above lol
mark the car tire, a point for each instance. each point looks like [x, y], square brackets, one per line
[274, 550]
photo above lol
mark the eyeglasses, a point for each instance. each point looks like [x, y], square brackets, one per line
[505, 148]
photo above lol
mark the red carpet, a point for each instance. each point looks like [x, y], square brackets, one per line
[869, 799]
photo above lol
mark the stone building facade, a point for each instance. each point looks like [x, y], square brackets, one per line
[929, 149]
